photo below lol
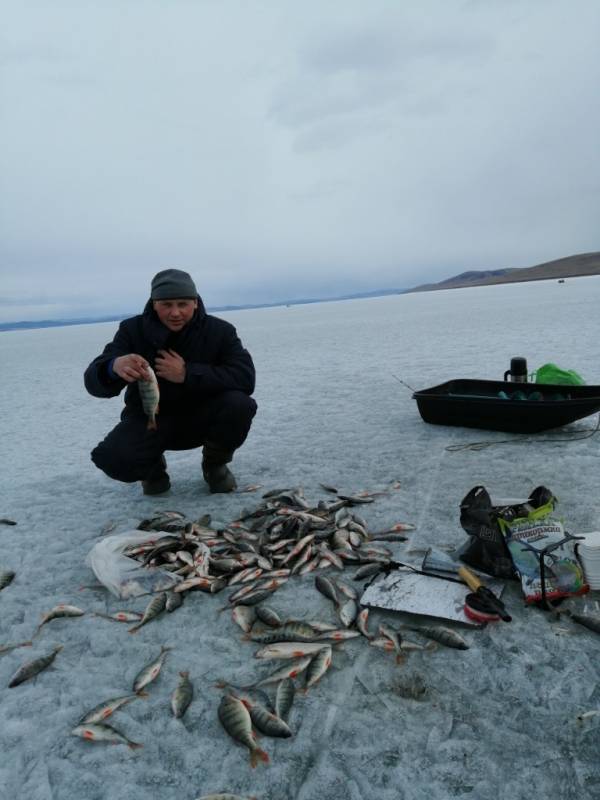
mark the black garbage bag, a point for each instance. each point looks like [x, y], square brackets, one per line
[486, 549]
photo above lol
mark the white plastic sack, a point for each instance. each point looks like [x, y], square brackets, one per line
[123, 576]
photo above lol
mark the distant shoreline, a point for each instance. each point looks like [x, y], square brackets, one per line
[577, 266]
[59, 323]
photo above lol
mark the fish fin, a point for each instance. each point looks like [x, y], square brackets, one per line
[142, 693]
[134, 745]
[151, 426]
[256, 754]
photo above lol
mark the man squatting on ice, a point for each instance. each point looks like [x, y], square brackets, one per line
[205, 378]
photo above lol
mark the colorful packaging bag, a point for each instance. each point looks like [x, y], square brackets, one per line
[543, 554]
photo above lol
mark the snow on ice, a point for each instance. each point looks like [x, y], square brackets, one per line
[496, 721]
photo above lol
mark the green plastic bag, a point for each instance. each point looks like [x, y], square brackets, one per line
[550, 373]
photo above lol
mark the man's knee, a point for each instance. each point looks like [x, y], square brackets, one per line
[114, 464]
[238, 405]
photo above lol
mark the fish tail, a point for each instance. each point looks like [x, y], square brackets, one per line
[142, 693]
[256, 754]
[151, 426]
[134, 745]
[135, 629]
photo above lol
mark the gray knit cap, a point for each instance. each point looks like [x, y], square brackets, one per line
[172, 284]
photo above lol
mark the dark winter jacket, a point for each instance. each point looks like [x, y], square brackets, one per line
[215, 360]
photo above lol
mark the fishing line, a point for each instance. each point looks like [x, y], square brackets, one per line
[455, 448]
[403, 382]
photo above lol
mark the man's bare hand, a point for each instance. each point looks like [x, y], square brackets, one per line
[131, 368]
[170, 365]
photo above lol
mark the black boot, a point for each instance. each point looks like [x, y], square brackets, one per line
[158, 481]
[216, 473]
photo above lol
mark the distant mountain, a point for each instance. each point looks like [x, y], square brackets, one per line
[569, 267]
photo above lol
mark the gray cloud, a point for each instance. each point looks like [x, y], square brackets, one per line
[280, 150]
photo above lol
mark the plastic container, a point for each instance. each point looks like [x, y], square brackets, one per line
[500, 406]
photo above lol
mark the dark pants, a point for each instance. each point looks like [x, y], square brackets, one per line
[130, 452]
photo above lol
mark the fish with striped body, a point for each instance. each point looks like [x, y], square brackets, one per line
[442, 635]
[284, 698]
[150, 396]
[268, 616]
[155, 607]
[265, 721]
[182, 696]
[103, 733]
[235, 718]
[289, 632]
[318, 667]
[32, 668]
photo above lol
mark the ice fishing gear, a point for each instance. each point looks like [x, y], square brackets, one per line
[543, 553]
[486, 602]
[478, 609]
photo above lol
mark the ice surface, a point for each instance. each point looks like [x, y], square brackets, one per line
[498, 721]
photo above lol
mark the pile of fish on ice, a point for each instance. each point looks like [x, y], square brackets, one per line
[256, 554]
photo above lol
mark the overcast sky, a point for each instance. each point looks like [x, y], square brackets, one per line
[284, 149]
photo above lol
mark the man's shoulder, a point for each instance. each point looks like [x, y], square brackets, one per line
[217, 323]
[134, 320]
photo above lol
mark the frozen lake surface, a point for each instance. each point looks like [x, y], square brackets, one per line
[497, 721]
